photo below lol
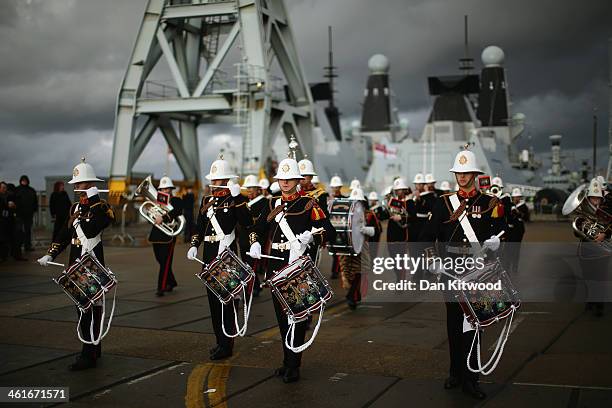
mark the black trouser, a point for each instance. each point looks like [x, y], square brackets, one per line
[335, 266]
[164, 253]
[354, 292]
[290, 359]
[57, 227]
[90, 351]
[215, 304]
[25, 226]
[188, 225]
[459, 344]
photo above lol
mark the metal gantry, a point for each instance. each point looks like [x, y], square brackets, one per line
[195, 39]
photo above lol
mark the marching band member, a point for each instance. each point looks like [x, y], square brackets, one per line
[458, 224]
[336, 185]
[256, 203]
[401, 210]
[163, 245]
[219, 213]
[264, 184]
[308, 188]
[354, 184]
[430, 185]
[291, 214]
[351, 265]
[316, 181]
[379, 210]
[445, 187]
[88, 218]
[519, 214]
[594, 260]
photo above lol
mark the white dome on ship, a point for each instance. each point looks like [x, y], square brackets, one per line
[492, 56]
[378, 64]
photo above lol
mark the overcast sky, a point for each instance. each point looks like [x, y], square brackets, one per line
[63, 62]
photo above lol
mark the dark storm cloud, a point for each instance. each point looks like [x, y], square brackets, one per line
[63, 62]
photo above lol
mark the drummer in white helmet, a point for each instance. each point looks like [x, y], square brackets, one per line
[88, 219]
[460, 225]
[163, 244]
[288, 225]
[264, 185]
[352, 265]
[445, 187]
[220, 213]
[430, 184]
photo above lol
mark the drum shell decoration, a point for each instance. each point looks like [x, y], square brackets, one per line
[346, 216]
[225, 276]
[86, 281]
[485, 307]
[300, 288]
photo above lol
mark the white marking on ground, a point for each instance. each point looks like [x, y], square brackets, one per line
[146, 377]
[583, 387]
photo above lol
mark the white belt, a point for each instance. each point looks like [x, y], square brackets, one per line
[216, 238]
[281, 246]
[422, 215]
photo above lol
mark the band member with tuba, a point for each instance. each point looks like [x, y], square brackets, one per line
[218, 216]
[88, 218]
[595, 260]
[163, 244]
[459, 223]
[291, 214]
[351, 265]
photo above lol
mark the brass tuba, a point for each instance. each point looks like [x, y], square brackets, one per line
[589, 221]
[496, 190]
[151, 208]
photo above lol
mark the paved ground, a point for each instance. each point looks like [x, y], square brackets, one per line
[380, 355]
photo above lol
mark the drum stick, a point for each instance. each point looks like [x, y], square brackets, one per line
[500, 234]
[55, 263]
[268, 256]
[197, 260]
[84, 191]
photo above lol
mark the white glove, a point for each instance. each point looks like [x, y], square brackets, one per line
[234, 188]
[305, 237]
[369, 231]
[255, 250]
[192, 253]
[44, 260]
[491, 243]
[92, 191]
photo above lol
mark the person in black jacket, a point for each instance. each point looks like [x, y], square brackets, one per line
[4, 222]
[163, 244]
[15, 238]
[27, 205]
[188, 210]
[88, 219]
[59, 207]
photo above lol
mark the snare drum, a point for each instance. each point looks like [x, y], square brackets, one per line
[485, 307]
[86, 281]
[347, 217]
[226, 276]
[300, 288]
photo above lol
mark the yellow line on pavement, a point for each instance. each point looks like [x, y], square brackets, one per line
[217, 379]
[194, 398]
[205, 377]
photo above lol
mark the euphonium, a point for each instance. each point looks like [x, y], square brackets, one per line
[496, 191]
[151, 208]
[589, 221]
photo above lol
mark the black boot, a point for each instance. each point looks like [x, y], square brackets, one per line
[292, 374]
[473, 390]
[280, 371]
[214, 349]
[221, 353]
[82, 363]
[451, 382]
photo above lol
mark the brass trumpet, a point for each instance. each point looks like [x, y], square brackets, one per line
[151, 208]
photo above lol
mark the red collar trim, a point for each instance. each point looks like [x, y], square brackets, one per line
[467, 194]
[291, 197]
[221, 193]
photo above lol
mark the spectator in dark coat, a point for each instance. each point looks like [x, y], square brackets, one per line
[59, 207]
[188, 209]
[27, 205]
[15, 238]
